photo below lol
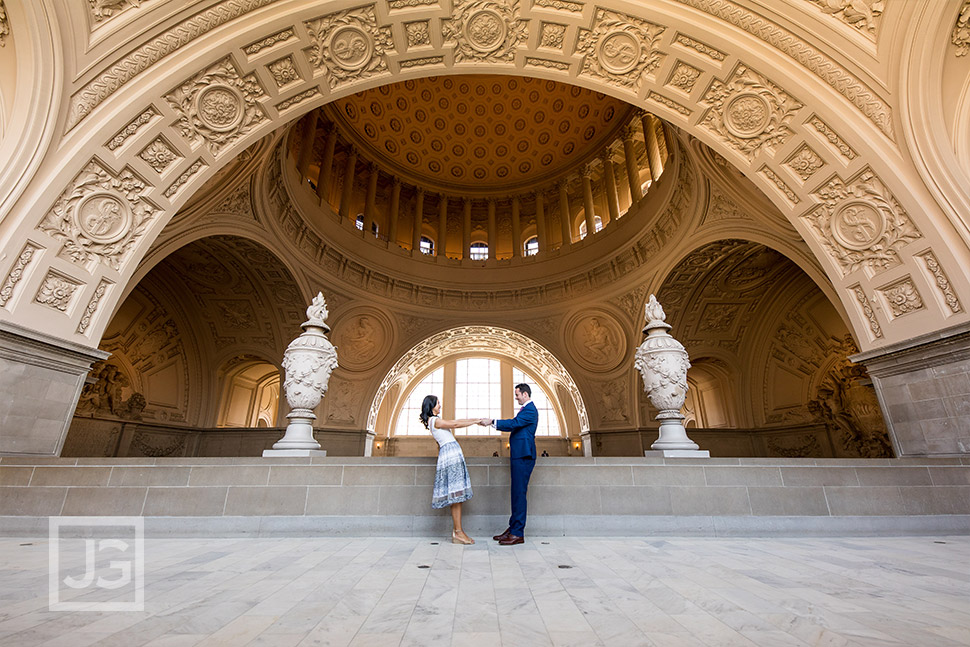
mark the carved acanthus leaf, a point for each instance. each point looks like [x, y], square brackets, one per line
[349, 45]
[485, 30]
[620, 49]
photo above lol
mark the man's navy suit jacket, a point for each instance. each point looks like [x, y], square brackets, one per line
[522, 440]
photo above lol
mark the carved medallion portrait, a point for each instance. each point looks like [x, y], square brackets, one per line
[363, 338]
[596, 341]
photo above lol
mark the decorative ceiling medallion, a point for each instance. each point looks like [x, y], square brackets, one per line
[102, 218]
[857, 225]
[483, 30]
[486, 30]
[349, 45]
[364, 337]
[747, 115]
[220, 107]
[352, 47]
[596, 341]
[620, 48]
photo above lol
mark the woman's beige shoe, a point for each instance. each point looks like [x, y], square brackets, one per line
[455, 539]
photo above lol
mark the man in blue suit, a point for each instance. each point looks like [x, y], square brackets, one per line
[522, 460]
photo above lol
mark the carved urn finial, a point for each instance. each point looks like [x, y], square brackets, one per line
[663, 363]
[307, 364]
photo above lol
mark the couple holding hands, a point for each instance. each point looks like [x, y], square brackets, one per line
[452, 485]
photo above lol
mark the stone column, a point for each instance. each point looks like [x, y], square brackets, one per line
[306, 150]
[611, 198]
[922, 385]
[326, 166]
[492, 229]
[588, 208]
[442, 225]
[567, 236]
[369, 206]
[42, 379]
[632, 171]
[516, 227]
[541, 220]
[348, 192]
[392, 215]
[418, 219]
[466, 229]
[654, 163]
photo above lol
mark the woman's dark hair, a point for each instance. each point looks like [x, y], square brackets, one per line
[427, 409]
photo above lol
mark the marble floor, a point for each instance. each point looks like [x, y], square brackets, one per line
[550, 591]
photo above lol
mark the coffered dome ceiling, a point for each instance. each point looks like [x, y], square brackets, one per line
[473, 132]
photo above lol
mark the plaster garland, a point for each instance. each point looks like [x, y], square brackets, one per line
[700, 47]
[832, 137]
[940, 278]
[269, 41]
[92, 306]
[17, 272]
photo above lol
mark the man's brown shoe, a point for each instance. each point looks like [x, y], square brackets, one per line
[511, 540]
[503, 535]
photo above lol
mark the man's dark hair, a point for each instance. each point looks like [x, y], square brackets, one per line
[524, 388]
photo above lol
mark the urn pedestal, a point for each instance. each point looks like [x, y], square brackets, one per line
[663, 363]
[307, 364]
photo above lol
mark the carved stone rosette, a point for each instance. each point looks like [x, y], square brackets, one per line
[860, 223]
[663, 363]
[749, 112]
[101, 216]
[349, 45]
[307, 364]
[217, 106]
[620, 49]
[485, 30]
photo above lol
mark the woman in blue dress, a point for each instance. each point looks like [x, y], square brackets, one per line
[452, 485]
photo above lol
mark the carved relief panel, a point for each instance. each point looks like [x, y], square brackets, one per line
[595, 340]
[349, 45]
[363, 337]
[485, 30]
[620, 49]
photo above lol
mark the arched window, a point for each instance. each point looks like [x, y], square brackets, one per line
[582, 226]
[548, 420]
[408, 423]
[532, 246]
[426, 245]
[478, 252]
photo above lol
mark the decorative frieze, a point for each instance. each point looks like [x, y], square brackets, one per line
[700, 47]
[349, 45]
[833, 138]
[552, 35]
[420, 62]
[132, 128]
[778, 182]
[560, 5]
[298, 98]
[17, 272]
[418, 33]
[939, 277]
[182, 179]
[405, 4]
[620, 49]
[867, 310]
[485, 30]
[92, 306]
[860, 223]
[159, 155]
[670, 103]
[100, 215]
[532, 61]
[861, 14]
[961, 31]
[749, 112]
[284, 71]
[683, 77]
[805, 162]
[56, 291]
[217, 106]
[902, 297]
[139, 60]
[269, 41]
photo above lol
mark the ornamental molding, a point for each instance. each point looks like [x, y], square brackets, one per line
[902, 297]
[349, 45]
[405, 4]
[683, 77]
[561, 5]
[804, 162]
[941, 281]
[57, 291]
[552, 35]
[863, 15]
[269, 41]
[842, 81]
[177, 185]
[93, 306]
[778, 182]
[700, 47]
[860, 223]
[133, 127]
[421, 62]
[532, 61]
[124, 70]
[217, 106]
[284, 71]
[103, 10]
[485, 30]
[159, 155]
[418, 33]
[867, 310]
[297, 98]
[101, 216]
[833, 138]
[961, 31]
[17, 272]
[620, 49]
[749, 113]
[670, 103]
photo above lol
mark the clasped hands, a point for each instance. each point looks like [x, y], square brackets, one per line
[485, 422]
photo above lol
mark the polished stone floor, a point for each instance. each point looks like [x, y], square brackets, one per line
[912, 591]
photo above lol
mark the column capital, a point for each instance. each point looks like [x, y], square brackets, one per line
[352, 150]
[586, 171]
[372, 167]
[420, 190]
[562, 184]
[628, 132]
[396, 181]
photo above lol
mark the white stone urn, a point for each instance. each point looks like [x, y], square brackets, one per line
[663, 363]
[307, 364]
